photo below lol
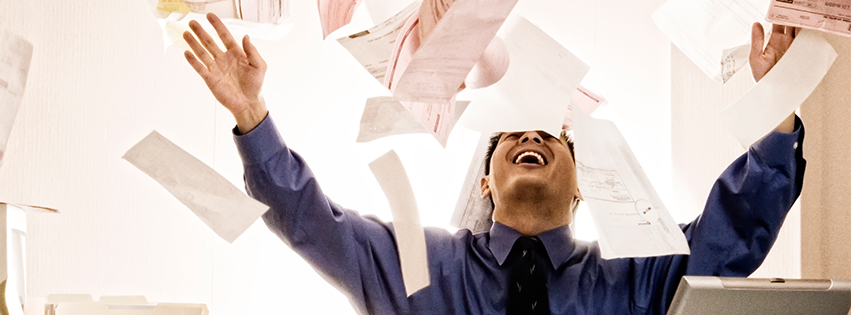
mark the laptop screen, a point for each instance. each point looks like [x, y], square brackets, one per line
[733, 296]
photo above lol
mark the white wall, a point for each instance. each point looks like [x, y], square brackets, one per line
[100, 81]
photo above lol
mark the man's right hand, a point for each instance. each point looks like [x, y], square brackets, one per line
[235, 76]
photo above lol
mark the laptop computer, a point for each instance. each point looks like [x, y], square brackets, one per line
[750, 296]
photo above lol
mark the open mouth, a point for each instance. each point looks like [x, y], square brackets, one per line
[529, 157]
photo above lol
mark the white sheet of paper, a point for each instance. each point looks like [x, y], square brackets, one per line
[539, 64]
[15, 56]
[410, 236]
[440, 65]
[781, 90]
[473, 212]
[384, 117]
[217, 202]
[714, 34]
[381, 10]
[630, 217]
[372, 48]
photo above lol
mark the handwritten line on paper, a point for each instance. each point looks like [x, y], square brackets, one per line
[782, 90]
[410, 236]
[217, 202]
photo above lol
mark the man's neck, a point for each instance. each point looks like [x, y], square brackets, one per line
[531, 219]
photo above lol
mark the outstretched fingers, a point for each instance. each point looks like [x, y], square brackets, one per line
[199, 51]
[197, 65]
[206, 40]
[222, 30]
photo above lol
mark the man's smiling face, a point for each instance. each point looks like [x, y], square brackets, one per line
[531, 166]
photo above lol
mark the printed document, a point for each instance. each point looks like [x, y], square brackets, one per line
[217, 202]
[832, 16]
[15, 56]
[630, 217]
[438, 68]
[372, 48]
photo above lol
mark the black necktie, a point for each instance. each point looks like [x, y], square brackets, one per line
[528, 286]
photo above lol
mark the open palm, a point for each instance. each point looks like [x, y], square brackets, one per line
[235, 76]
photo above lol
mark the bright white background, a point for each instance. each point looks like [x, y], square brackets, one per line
[100, 80]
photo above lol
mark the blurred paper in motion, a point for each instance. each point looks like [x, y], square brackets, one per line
[15, 56]
[217, 202]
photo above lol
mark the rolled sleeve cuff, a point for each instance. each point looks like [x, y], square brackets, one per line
[259, 144]
[778, 148]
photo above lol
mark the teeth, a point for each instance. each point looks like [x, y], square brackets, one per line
[529, 153]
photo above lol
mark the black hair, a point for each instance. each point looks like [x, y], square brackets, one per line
[494, 141]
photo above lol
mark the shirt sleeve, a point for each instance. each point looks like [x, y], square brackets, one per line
[747, 206]
[740, 222]
[354, 253]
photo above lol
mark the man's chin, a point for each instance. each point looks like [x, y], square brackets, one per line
[529, 185]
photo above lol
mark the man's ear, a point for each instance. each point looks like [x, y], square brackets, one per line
[486, 188]
[578, 194]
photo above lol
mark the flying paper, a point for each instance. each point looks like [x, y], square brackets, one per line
[410, 236]
[15, 56]
[217, 202]
[438, 67]
[535, 92]
[630, 217]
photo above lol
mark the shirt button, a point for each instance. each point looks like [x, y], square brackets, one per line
[795, 145]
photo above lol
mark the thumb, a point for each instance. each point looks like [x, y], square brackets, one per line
[252, 53]
[757, 41]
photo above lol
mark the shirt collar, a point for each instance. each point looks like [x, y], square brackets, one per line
[558, 242]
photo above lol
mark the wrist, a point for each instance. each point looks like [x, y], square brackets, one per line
[251, 117]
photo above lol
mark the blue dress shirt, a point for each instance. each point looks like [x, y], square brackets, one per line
[357, 254]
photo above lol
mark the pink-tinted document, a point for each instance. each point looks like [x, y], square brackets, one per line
[334, 14]
[832, 16]
[439, 67]
[432, 115]
[582, 99]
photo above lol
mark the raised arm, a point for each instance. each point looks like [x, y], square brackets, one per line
[355, 254]
[235, 76]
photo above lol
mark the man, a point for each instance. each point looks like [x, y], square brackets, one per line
[532, 182]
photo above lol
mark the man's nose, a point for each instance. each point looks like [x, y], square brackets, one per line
[531, 136]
